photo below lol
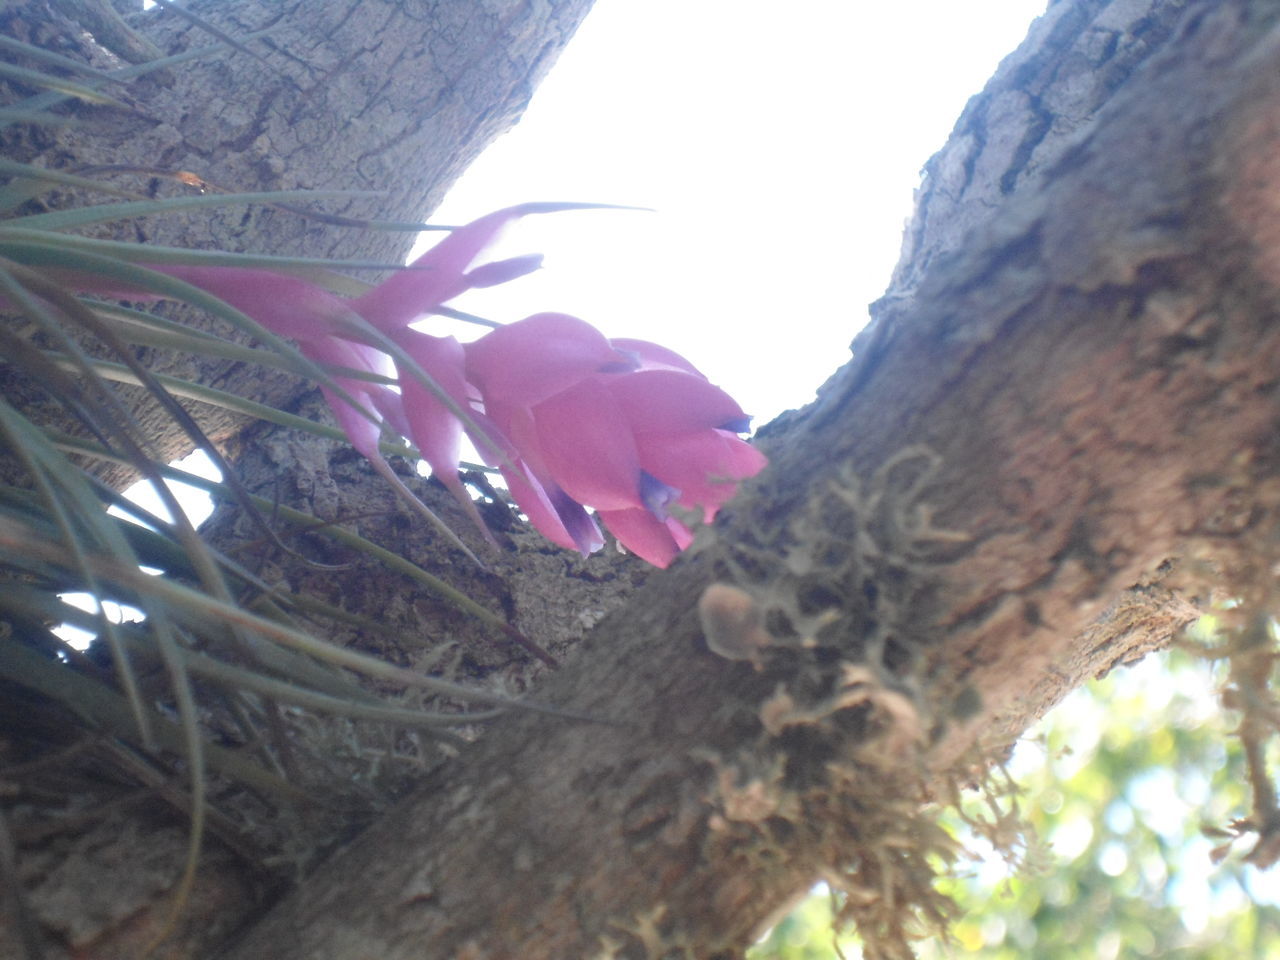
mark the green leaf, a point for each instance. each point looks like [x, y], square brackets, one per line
[31, 181]
[42, 55]
[50, 254]
[44, 101]
[49, 82]
[104, 213]
[17, 241]
[108, 711]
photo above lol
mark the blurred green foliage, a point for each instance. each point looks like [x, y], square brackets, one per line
[1124, 785]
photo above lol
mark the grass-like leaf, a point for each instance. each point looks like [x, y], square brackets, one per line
[74, 513]
[50, 254]
[18, 240]
[41, 55]
[35, 117]
[106, 710]
[206, 615]
[29, 182]
[39, 78]
[49, 99]
[286, 514]
[105, 213]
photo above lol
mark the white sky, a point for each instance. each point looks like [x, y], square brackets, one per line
[780, 150]
[780, 154]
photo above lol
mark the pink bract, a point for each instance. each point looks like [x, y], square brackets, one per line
[571, 419]
[626, 427]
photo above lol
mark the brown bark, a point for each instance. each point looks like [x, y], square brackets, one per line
[391, 98]
[1071, 381]
[1084, 387]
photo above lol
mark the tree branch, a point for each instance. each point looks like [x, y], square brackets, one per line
[1085, 387]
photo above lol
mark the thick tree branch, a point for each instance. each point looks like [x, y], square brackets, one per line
[1071, 380]
[391, 97]
[1085, 388]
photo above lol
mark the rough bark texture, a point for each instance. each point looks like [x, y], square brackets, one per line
[394, 97]
[391, 97]
[1081, 389]
[1071, 380]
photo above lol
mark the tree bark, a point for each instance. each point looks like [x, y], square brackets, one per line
[391, 97]
[394, 99]
[1082, 388]
[1071, 380]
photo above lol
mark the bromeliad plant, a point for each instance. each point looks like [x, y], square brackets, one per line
[572, 419]
[625, 426]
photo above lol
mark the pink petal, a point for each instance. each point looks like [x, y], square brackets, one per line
[654, 356]
[288, 306]
[563, 522]
[704, 465]
[647, 537]
[587, 446]
[440, 274]
[432, 426]
[432, 279]
[389, 404]
[362, 434]
[521, 431]
[525, 362]
[338, 352]
[490, 442]
[500, 271]
[669, 401]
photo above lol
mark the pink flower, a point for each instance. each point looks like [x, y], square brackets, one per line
[572, 419]
[324, 326]
[624, 426]
[320, 321]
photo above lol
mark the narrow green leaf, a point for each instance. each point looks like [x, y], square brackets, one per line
[467, 317]
[394, 561]
[107, 416]
[13, 236]
[109, 711]
[31, 181]
[140, 277]
[207, 570]
[104, 213]
[66, 501]
[193, 744]
[212, 30]
[203, 611]
[42, 55]
[241, 679]
[230, 401]
[44, 101]
[18, 115]
[58, 84]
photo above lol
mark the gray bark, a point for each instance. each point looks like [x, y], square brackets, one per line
[396, 98]
[392, 98]
[1071, 381]
[1047, 411]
